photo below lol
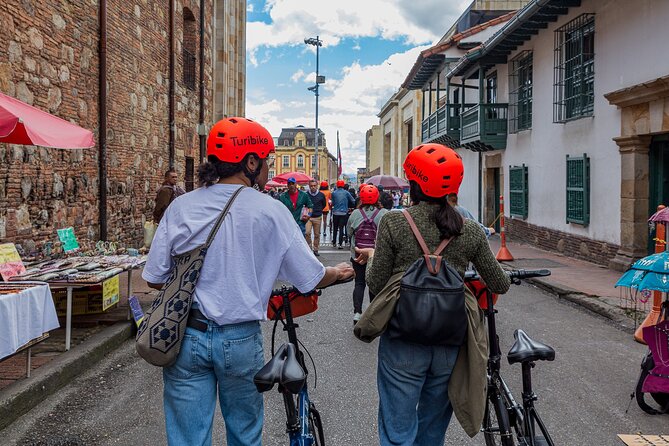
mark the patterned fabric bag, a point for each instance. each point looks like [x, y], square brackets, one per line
[160, 334]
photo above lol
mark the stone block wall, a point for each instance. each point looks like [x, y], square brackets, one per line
[568, 244]
[49, 59]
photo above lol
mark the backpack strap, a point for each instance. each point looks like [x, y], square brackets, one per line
[432, 268]
[376, 212]
[364, 216]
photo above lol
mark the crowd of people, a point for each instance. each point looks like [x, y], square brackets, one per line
[259, 243]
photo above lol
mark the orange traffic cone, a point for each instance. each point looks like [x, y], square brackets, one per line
[653, 316]
[503, 255]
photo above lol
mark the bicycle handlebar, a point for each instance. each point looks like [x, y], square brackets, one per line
[286, 290]
[516, 276]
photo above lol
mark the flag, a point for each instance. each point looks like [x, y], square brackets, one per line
[338, 157]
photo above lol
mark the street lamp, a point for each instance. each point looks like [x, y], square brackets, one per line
[319, 80]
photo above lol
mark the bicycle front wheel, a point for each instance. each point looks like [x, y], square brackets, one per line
[496, 425]
[316, 426]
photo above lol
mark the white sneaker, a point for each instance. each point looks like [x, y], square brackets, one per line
[356, 318]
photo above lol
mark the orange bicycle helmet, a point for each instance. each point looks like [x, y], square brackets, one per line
[437, 169]
[231, 139]
[369, 194]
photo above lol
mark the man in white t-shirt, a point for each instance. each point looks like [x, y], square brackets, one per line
[257, 244]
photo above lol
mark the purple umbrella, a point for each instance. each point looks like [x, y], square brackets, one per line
[388, 182]
[661, 216]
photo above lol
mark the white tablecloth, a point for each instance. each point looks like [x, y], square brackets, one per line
[25, 316]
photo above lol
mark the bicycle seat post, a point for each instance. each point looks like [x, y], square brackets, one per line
[495, 354]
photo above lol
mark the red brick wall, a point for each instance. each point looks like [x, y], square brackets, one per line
[49, 58]
[568, 244]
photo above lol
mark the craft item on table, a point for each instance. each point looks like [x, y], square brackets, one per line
[10, 261]
[68, 239]
[88, 266]
[106, 248]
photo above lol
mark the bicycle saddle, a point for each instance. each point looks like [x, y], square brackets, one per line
[527, 350]
[284, 369]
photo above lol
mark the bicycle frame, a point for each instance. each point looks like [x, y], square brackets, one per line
[523, 418]
[297, 418]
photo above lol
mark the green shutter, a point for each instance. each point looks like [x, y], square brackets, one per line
[578, 190]
[518, 191]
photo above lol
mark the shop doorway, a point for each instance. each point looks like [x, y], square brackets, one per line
[658, 178]
[493, 190]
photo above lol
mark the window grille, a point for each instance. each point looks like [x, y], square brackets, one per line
[578, 190]
[518, 191]
[313, 161]
[189, 69]
[573, 89]
[189, 177]
[286, 160]
[270, 175]
[520, 92]
[300, 161]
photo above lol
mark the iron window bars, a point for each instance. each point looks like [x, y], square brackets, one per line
[578, 190]
[518, 191]
[520, 92]
[189, 69]
[574, 73]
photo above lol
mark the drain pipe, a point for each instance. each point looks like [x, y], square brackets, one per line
[102, 120]
[170, 98]
[200, 128]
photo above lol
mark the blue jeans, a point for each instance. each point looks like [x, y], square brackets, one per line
[414, 409]
[223, 359]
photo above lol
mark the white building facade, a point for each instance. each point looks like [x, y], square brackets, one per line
[570, 122]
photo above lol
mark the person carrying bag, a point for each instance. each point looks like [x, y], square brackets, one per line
[416, 360]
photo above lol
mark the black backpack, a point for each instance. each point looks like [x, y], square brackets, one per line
[431, 305]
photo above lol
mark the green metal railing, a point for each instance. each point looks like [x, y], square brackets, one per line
[446, 120]
[486, 124]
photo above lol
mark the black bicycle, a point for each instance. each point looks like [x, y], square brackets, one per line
[288, 369]
[505, 420]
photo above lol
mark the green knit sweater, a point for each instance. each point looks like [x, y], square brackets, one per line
[397, 248]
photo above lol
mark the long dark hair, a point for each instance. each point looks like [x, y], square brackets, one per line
[448, 220]
[214, 169]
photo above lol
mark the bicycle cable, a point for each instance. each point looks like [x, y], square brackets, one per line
[312, 363]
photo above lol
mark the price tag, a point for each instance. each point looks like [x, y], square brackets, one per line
[68, 239]
[10, 261]
[110, 292]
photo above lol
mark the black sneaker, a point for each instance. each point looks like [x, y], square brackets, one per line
[340, 247]
[316, 254]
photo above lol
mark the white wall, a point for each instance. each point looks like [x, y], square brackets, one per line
[468, 196]
[630, 48]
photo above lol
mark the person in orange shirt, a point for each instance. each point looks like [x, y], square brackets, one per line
[325, 188]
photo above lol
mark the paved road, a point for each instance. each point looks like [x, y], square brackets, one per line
[583, 394]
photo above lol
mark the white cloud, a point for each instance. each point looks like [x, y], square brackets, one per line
[299, 74]
[407, 20]
[249, 7]
[348, 104]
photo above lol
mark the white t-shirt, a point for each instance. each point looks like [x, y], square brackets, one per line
[258, 243]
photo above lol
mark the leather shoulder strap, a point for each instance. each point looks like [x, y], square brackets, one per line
[221, 217]
[433, 268]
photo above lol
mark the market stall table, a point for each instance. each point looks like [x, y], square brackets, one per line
[27, 314]
[83, 272]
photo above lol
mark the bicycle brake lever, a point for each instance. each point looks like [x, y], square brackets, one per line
[516, 281]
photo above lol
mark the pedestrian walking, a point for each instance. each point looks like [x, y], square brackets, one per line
[298, 203]
[385, 198]
[256, 244]
[341, 202]
[413, 379]
[318, 201]
[166, 194]
[396, 200]
[362, 226]
[325, 189]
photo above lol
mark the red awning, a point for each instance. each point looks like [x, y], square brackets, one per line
[21, 123]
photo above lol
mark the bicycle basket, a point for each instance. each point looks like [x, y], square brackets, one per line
[477, 287]
[300, 305]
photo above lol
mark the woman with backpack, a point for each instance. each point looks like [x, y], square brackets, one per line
[414, 368]
[362, 226]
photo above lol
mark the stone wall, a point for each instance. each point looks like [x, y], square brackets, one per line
[568, 244]
[49, 59]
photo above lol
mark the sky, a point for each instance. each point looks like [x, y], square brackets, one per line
[369, 46]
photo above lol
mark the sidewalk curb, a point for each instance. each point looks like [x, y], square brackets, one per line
[20, 397]
[590, 302]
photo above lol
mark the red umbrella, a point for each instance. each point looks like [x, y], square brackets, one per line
[21, 123]
[388, 182]
[300, 178]
[271, 183]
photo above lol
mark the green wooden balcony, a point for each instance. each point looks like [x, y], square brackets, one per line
[484, 127]
[443, 126]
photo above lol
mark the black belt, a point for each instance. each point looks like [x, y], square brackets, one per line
[197, 320]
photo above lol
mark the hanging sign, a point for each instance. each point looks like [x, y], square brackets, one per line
[110, 292]
[68, 239]
[10, 261]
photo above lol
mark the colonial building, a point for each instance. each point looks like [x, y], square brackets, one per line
[295, 152]
[373, 150]
[568, 118]
[159, 105]
[401, 120]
